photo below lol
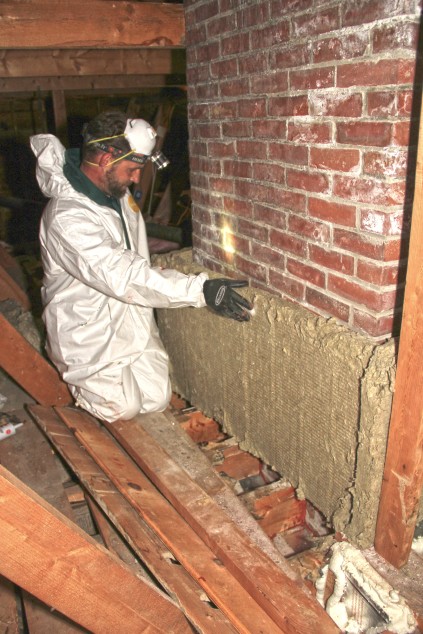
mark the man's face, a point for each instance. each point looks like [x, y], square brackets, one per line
[119, 176]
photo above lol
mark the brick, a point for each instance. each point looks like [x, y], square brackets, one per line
[389, 163]
[369, 191]
[307, 228]
[340, 48]
[312, 78]
[372, 10]
[359, 244]
[290, 56]
[278, 8]
[243, 208]
[199, 111]
[288, 106]
[252, 108]
[309, 132]
[287, 153]
[369, 133]
[330, 259]
[269, 129]
[234, 87]
[380, 222]
[340, 160]
[221, 185]
[237, 169]
[383, 327]
[358, 294]
[380, 274]
[395, 249]
[316, 22]
[381, 104]
[254, 270]
[287, 242]
[336, 104]
[265, 255]
[251, 149]
[207, 131]
[206, 52]
[253, 63]
[221, 149]
[270, 35]
[331, 211]
[223, 69]
[205, 11]
[221, 111]
[307, 181]
[236, 129]
[269, 83]
[269, 172]
[250, 16]
[306, 272]
[401, 133]
[272, 217]
[253, 230]
[221, 24]
[399, 35]
[405, 103]
[380, 73]
[198, 74]
[209, 91]
[327, 304]
[235, 43]
[286, 285]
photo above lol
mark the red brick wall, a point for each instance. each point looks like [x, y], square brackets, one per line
[300, 114]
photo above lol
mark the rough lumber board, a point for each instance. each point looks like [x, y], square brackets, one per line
[91, 63]
[29, 369]
[403, 474]
[277, 594]
[9, 289]
[87, 85]
[149, 548]
[220, 585]
[42, 474]
[74, 574]
[96, 24]
[9, 620]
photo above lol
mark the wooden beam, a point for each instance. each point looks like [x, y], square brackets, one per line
[189, 549]
[102, 84]
[29, 369]
[91, 63]
[9, 289]
[144, 542]
[47, 555]
[403, 474]
[60, 115]
[95, 24]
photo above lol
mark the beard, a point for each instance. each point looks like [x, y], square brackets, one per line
[115, 187]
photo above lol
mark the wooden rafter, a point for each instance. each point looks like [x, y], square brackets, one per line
[78, 85]
[95, 24]
[90, 63]
[403, 475]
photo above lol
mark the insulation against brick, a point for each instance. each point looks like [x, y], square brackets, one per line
[308, 396]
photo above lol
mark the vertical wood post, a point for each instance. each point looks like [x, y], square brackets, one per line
[60, 115]
[403, 475]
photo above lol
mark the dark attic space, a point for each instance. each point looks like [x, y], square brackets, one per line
[210, 287]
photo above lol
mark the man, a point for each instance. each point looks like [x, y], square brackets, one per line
[99, 289]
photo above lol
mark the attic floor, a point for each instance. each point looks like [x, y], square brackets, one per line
[296, 529]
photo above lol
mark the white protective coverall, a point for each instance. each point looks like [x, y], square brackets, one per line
[98, 296]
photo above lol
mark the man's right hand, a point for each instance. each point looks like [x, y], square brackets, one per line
[221, 298]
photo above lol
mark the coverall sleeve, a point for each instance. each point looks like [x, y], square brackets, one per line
[88, 251]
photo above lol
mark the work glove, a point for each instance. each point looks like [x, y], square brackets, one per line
[221, 297]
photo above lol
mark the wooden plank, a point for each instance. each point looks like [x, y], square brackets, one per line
[145, 543]
[97, 24]
[91, 62]
[9, 620]
[81, 85]
[201, 563]
[403, 474]
[9, 289]
[29, 369]
[43, 475]
[74, 574]
[277, 594]
[60, 115]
